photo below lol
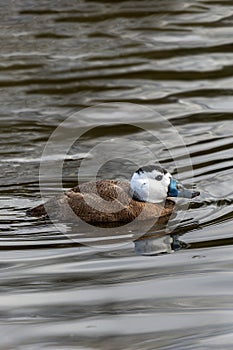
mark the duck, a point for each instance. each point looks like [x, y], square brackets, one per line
[149, 194]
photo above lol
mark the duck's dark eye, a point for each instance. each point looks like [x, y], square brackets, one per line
[158, 177]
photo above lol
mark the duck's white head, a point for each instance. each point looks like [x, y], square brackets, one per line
[154, 184]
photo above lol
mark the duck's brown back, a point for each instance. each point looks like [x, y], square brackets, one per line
[105, 201]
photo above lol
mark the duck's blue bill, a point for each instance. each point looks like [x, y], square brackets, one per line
[172, 189]
[175, 190]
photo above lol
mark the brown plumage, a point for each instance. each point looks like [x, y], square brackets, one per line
[122, 207]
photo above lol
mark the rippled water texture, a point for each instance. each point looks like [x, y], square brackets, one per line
[175, 58]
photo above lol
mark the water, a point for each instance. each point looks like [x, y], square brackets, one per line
[175, 58]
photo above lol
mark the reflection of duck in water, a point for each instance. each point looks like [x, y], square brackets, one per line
[108, 201]
[159, 242]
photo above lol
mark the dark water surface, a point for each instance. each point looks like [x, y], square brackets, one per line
[175, 57]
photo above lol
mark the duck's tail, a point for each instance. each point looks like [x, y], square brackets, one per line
[38, 211]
